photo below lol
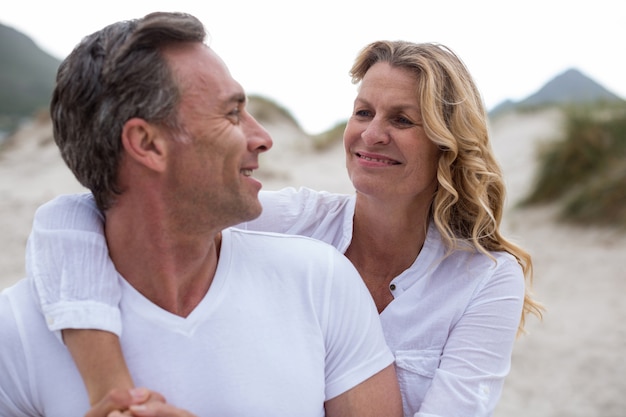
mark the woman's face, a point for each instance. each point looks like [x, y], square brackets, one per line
[387, 152]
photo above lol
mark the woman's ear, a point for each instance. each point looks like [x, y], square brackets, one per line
[144, 143]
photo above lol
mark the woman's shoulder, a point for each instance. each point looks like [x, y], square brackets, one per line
[321, 215]
[467, 261]
[69, 211]
[277, 243]
[304, 196]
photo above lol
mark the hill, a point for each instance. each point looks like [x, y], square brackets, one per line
[572, 86]
[569, 87]
[27, 76]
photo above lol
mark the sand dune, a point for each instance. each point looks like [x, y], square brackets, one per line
[569, 365]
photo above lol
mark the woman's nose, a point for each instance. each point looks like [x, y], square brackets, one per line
[376, 133]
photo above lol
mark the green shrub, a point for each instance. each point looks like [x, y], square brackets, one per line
[585, 170]
[326, 139]
[602, 202]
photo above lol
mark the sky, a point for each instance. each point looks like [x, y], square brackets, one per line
[299, 53]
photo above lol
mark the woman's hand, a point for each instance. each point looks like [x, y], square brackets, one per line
[157, 409]
[118, 402]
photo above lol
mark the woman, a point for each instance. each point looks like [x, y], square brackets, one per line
[423, 230]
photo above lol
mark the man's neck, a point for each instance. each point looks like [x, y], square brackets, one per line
[173, 270]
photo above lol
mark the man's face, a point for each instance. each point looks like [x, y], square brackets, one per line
[210, 172]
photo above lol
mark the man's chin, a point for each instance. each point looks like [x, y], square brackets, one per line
[253, 211]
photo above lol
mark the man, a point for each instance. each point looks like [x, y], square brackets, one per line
[219, 321]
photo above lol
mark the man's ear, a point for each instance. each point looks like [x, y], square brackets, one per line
[144, 143]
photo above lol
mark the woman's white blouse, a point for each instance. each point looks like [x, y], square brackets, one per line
[451, 326]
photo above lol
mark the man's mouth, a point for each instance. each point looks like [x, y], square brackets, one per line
[246, 172]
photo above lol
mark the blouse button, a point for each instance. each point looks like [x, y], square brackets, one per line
[392, 287]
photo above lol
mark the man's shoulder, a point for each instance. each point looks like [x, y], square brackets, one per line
[21, 319]
[16, 305]
[14, 294]
[16, 311]
[32, 360]
[289, 254]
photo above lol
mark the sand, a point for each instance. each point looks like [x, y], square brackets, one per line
[568, 365]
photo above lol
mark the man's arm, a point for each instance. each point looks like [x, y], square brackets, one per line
[360, 371]
[378, 396]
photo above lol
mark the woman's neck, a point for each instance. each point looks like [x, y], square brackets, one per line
[386, 240]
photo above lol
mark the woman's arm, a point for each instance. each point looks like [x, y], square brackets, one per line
[78, 288]
[99, 359]
[318, 214]
[136, 402]
[476, 357]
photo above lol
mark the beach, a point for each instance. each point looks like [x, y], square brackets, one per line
[570, 364]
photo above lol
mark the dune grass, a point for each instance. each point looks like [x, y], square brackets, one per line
[585, 170]
[330, 137]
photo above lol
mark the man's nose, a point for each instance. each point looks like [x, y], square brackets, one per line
[258, 138]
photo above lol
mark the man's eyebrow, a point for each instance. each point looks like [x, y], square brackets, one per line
[237, 98]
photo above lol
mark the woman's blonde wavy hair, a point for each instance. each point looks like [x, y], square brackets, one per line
[469, 201]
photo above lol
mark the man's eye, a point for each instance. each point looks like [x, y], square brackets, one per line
[235, 114]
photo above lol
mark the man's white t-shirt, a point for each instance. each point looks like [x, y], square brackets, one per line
[286, 325]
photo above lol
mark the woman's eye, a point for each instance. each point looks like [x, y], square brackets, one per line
[403, 121]
[362, 113]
